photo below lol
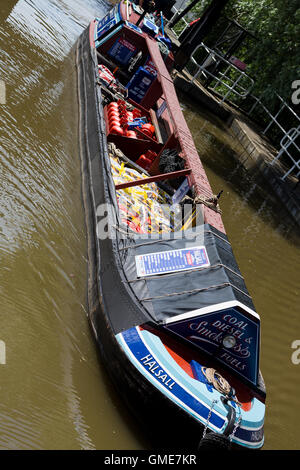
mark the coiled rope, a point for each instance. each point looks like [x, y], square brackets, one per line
[216, 379]
[210, 202]
[219, 383]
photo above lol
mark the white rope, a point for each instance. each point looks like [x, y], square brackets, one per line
[219, 383]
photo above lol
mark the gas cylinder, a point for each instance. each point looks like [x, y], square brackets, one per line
[116, 130]
[136, 113]
[113, 105]
[151, 155]
[148, 129]
[144, 162]
[131, 134]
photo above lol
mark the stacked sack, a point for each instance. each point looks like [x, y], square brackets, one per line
[145, 208]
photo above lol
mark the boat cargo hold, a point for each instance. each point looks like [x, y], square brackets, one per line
[176, 326]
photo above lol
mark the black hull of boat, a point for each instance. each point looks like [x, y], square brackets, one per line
[166, 424]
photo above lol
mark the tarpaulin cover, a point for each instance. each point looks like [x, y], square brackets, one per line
[168, 295]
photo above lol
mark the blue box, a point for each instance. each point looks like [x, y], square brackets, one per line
[150, 28]
[122, 51]
[140, 84]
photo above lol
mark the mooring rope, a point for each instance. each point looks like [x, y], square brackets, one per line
[219, 383]
[211, 202]
[216, 379]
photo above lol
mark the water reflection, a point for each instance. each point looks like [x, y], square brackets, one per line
[54, 393]
[54, 25]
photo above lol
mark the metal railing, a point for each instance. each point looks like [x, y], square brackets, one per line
[228, 79]
[273, 119]
[183, 20]
[286, 143]
[234, 80]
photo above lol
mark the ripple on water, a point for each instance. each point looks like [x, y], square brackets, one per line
[53, 392]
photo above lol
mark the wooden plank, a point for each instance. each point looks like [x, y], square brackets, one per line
[156, 126]
[153, 179]
[155, 54]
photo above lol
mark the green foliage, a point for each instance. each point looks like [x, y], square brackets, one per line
[274, 58]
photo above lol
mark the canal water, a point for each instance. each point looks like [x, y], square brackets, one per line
[54, 393]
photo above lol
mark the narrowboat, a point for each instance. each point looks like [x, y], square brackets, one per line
[168, 305]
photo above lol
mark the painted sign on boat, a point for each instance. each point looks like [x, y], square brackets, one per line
[122, 51]
[181, 192]
[163, 262]
[228, 335]
[106, 23]
[161, 109]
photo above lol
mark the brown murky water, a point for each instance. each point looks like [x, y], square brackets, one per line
[54, 393]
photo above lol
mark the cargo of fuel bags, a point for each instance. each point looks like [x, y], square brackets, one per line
[145, 208]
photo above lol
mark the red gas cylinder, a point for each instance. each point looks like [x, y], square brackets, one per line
[131, 134]
[113, 119]
[151, 155]
[148, 129]
[113, 104]
[144, 162]
[136, 113]
[116, 130]
[112, 113]
[114, 122]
